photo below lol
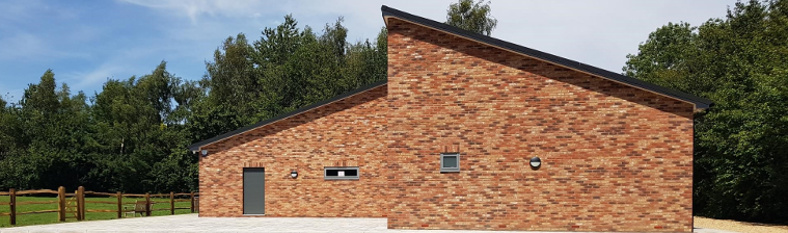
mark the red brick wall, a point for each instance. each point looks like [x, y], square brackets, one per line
[615, 158]
[346, 133]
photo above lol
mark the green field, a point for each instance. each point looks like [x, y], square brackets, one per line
[45, 218]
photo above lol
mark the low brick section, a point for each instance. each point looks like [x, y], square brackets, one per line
[615, 158]
[345, 133]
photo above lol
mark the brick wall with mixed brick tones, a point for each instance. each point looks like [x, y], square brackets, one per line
[345, 133]
[614, 158]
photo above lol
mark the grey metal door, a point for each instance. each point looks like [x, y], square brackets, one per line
[254, 191]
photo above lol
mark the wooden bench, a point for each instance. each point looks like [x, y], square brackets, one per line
[138, 208]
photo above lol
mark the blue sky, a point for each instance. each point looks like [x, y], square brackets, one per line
[87, 42]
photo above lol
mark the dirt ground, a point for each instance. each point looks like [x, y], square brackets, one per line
[743, 227]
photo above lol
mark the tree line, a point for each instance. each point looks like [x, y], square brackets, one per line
[740, 62]
[132, 135]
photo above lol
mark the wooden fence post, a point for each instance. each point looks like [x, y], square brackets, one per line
[147, 204]
[80, 203]
[172, 203]
[191, 198]
[120, 204]
[61, 204]
[76, 203]
[12, 205]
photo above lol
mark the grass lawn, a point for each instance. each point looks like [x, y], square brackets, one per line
[45, 218]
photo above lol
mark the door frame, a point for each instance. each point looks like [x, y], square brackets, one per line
[243, 192]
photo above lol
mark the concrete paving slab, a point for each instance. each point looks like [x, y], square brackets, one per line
[191, 223]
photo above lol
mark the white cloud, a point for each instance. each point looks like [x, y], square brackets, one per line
[120, 65]
[28, 47]
[100, 74]
[16, 10]
[599, 33]
[194, 9]
[21, 46]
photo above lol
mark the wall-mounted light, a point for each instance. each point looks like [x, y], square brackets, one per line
[536, 162]
[294, 174]
[204, 152]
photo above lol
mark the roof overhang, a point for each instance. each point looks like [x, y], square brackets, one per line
[699, 102]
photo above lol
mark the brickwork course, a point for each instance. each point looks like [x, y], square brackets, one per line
[615, 156]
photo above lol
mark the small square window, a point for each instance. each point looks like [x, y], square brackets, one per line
[450, 162]
[341, 173]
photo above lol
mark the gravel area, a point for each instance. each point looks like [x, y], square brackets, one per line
[736, 226]
[191, 223]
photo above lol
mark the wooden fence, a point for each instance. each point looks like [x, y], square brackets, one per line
[74, 203]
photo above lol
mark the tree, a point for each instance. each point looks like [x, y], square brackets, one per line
[132, 135]
[471, 16]
[230, 86]
[141, 133]
[46, 134]
[6, 140]
[738, 62]
[285, 69]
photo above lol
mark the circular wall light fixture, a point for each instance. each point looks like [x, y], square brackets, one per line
[294, 174]
[204, 152]
[536, 162]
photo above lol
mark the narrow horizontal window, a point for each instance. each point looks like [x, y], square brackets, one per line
[341, 173]
[450, 162]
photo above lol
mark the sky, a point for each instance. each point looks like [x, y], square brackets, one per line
[87, 42]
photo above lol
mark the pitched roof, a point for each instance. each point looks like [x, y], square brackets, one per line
[197, 146]
[700, 103]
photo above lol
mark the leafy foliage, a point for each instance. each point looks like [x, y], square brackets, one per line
[471, 16]
[112, 144]
[287, 68]
[741, 63]
[132, 136]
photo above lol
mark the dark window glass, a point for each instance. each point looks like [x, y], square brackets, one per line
[331, 172]
[450, 161]
[351, 172]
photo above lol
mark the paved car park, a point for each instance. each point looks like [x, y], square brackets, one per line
[191, 223]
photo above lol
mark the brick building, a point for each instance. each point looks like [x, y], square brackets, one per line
[448, 141]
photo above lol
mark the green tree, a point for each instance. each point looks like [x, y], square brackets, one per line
[132, 135]
[366, 62]
[6, 123]
[471, 16]
[48, 129]
[741, 63]
[232, 84]
[286, 69]
[140, 127]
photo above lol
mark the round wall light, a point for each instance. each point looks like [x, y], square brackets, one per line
[536, 162]
[204, 152]
[294, 174]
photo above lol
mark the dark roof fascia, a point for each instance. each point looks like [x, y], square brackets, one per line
[197, 146]
[700, 103]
